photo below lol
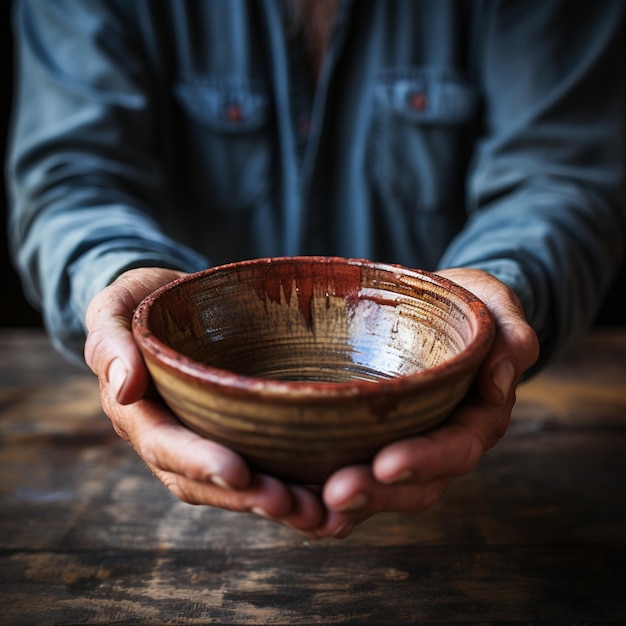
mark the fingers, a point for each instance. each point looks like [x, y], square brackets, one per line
[110, 350]
[452, 450]
[306, 513]
[196, 470]
[169, 447]
[200, 471]
[407, 476]
[410, 476]
[265, 496]
[356, 491]
[515, 350]
[353, 495]
[516, 346]
[338, 524]
[113, 356]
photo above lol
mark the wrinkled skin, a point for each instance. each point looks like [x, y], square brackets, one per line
[408, 476]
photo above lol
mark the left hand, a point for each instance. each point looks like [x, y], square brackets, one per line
[409, 476]
[195, 469]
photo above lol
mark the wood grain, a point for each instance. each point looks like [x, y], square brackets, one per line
[535, 535]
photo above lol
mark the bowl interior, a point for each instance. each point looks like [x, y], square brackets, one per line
[314, 319]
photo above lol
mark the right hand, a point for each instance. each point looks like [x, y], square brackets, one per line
[195, 469]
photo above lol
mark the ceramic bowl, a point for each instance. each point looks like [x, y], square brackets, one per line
[304, 365]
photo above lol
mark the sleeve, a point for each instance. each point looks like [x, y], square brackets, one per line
[547, 209]
[85, 185]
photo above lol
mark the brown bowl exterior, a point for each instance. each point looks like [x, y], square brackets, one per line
[303, 430]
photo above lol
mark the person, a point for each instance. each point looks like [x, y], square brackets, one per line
[482, 140]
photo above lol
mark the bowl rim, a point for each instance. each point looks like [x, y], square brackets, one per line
[228, 382]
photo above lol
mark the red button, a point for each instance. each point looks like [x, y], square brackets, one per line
[418, 101]
[233, 112]
[304, 125]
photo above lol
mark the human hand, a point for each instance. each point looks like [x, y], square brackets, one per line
[409, 476]
[195, 469]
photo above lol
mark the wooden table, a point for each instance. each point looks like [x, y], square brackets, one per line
[536, 535]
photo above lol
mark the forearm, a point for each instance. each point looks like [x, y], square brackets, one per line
[85, 182]
[67, 257]
[556, 246]
[546, 190]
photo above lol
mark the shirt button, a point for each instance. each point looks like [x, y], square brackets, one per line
[418, 101]
[304, 125]
[233, 112]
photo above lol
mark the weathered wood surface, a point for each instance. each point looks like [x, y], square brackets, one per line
[537, 534]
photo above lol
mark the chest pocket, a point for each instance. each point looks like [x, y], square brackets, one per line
[422, 136]
[226, 131]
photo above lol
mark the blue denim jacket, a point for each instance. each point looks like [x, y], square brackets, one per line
[439, 133]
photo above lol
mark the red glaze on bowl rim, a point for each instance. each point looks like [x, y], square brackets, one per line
[231, 383]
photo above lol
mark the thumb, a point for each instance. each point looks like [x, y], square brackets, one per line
[515, 349]
[516, 346]
[110, 349]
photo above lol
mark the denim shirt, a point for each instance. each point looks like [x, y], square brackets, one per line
[438, 133]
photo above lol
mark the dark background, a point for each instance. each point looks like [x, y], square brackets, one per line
[16, 311]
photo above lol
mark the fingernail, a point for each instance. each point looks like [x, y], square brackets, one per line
[343, 530]
[503, 376]
[311, 534]
[400, 478]
[357, 502]
[117, 376]
[216, 479]
[257, 510]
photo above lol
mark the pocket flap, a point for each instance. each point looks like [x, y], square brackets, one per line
[427, 97]
[223, 105]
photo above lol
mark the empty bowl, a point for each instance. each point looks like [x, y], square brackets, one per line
[304, 365]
